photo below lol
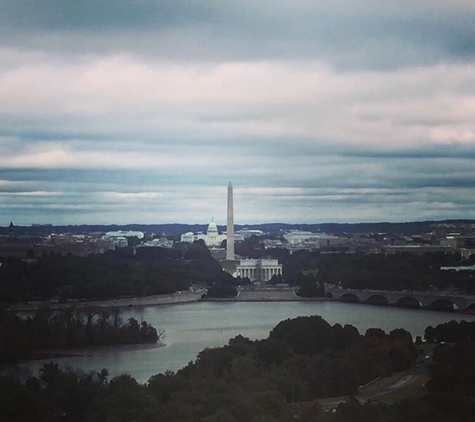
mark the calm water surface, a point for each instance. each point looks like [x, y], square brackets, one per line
[189, 328]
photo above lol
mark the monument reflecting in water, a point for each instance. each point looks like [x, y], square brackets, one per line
[230, 228]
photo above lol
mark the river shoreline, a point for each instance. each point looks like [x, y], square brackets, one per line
[185, 297]
[92, 350]
[258, 295]
[174, 298]
[192, 327]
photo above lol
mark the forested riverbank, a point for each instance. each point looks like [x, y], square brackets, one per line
[276, 379]
[23, 337]
[122, 274]
[116, 274]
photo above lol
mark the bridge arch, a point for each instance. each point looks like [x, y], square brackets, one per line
[408, 302]
[349, 297]
[443, 305]
[328, 295]
[377, 300]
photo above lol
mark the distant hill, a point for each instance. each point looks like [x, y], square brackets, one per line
[414, 227]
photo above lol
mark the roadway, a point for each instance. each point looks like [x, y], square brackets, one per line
[381, 386]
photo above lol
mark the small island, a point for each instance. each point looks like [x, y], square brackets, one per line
[46, 330]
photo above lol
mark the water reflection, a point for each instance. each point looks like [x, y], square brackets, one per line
[189, 328]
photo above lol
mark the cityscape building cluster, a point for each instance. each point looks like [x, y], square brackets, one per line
[17, 243]
[443, 239]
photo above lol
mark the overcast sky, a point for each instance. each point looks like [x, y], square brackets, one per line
[142, 111]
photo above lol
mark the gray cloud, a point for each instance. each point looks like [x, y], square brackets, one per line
[142, 111]
[367, 35]
[335, 188]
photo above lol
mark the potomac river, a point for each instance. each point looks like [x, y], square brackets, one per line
[191, 327]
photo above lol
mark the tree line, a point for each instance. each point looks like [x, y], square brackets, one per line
[311, 269]
[22, 337]
[450, 389]
[450, 332]
[277, 379]
[176, 229]
[120, 273]
[396, 272]
[152, 271]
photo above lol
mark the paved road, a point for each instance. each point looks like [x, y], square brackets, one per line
[368, 391]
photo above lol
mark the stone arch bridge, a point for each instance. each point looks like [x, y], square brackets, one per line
[439, 301]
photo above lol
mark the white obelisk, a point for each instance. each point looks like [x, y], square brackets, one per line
[230, 236]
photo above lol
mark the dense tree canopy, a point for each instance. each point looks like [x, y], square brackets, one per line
[151, 271]
[67, 329]
[450, 332]
[310, 269]
[277, 379]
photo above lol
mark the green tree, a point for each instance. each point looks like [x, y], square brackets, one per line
[270, 403]
[305, 335]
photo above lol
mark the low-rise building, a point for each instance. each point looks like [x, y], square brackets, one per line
[125, 233]
[162, 242]
[258, 269]
[416, 249]
[246, 233]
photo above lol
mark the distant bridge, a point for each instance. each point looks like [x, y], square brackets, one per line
[436, 301]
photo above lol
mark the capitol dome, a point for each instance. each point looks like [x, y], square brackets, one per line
[212, 228]
[211, 237]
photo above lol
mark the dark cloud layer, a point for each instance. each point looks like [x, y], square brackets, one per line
[368, 34]
[142, 111]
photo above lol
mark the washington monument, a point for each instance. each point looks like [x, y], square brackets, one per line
[230, 229]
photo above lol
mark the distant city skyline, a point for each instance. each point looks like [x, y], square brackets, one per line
[117, 112]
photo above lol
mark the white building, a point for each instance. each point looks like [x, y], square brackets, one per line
[120, 238]
[211, 238]
[246, 233]
[123, 233]
[258, 269]
[298, 237]
[188, 237]
[120, 241]
[163, 242]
